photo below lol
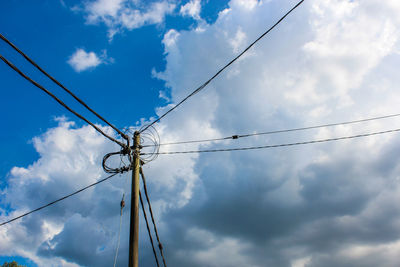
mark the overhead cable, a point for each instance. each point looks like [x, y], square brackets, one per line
[222, 69]
[276, 131]
[59, 101]
[148, 229]
[278, 145]
[160, 246]
[58, 200]
[62, 86]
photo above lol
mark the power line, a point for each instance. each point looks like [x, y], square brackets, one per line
[59, 101]
[222, 69]
[148, 229]
[55, 201]
[62, 86]
[276, 131]
[160, 246]
[279, 145]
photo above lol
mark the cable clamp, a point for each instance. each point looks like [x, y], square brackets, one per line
[235, 136]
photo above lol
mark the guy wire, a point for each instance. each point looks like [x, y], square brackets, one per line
[160, 246]
[148, 229]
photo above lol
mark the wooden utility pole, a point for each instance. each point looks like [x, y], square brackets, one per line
[134, 225]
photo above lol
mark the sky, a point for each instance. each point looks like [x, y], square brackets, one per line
[326, 204]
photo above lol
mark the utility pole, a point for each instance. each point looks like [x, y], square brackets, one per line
[134, 225]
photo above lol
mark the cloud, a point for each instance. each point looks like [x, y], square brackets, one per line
[191, 9]
[311, 206]
[238, 42]
[69, 160]
[71, 232]
[123, 14]
[244, 4]
[81, 60]
[331, 204]
[169, 39]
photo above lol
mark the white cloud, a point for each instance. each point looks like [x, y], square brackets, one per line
[244, 4]
[238, 42]
[332, 204]
[191, 9]
[103, 9]
[125, 14]
[132, 19]
[346, 47]
[170, 38]
[69, 160]
[81, 60]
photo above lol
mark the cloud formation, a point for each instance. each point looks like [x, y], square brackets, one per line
[125, 14]
[332, 204]
[81, 60]
[191, 9]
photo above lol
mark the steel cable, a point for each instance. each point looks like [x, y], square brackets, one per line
[276, 131]
[279, 145]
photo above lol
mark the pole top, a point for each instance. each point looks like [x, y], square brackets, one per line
[136, 140]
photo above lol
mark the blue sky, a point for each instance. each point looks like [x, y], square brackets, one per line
[136, 53]
[332, 204]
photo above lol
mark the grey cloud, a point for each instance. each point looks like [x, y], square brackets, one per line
[231, 203]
